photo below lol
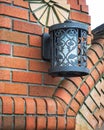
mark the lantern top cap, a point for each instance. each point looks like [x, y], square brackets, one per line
[70, 24]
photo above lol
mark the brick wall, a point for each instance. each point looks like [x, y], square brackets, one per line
[29, 97]
[20, 43]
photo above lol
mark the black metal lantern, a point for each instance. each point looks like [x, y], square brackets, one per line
[65, 46]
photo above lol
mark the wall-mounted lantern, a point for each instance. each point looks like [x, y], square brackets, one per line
[65, 47]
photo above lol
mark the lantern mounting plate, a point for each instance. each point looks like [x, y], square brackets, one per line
[46, 46]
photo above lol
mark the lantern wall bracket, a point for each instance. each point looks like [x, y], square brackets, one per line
[46, 46]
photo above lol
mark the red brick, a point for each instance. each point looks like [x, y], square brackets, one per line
[7, 105]
[6, 1]
[41, 123]
[84, 8]
[89, 39]
[88, 116]
[73, 4]
[89, 63]
[90, 104]
[80, 17]
[41, 91]
[7, 122]
[82, 2]
[21, 3]
[79, 97]
[13, 36]
[61, 125]
[41, 106]
[101, 41]
[30, 123]
[95, 73]
[27, 27]
[102, 95]
[90, 81]
[60, 109]
[96, 97]
[75, 81]
[32, 18]
[75, 106]
[101, 116]
[64, 95]
[84, 89]
[100, 67]
[27, 52]
[10, 88]
[70, 112]
[19, 122]
[13, 11]
[92, 56]
[5, 48]
[30, 106]
[35, 41]
[5, 22]
[100, 86]
[89, 30]
[27, 77]
[46, 30]
[4, 75]
[51, 80]
[38, 66]
[19, 105]
[13, 62]
[51, 123]
[98, 49]
[71, 123]
[51, 106]
[97, 115]
[69, 86]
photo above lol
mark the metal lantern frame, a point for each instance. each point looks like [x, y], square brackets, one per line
[65, 47]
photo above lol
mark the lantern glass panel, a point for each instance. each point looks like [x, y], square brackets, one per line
[65, 47]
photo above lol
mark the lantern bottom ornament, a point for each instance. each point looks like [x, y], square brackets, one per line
[65, 47]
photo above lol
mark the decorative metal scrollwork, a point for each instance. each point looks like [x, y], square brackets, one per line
[66, 47]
